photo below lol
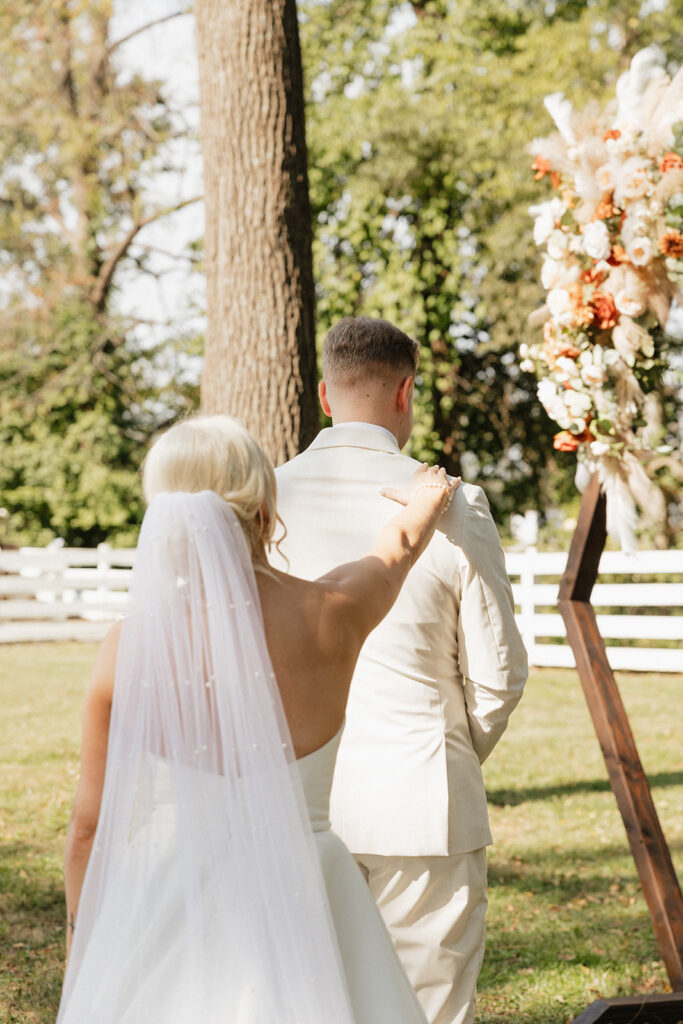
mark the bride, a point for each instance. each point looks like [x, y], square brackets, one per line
[203, 883]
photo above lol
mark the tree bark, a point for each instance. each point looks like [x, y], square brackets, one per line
[260, 362]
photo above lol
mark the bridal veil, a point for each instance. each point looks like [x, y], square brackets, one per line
[203, 899]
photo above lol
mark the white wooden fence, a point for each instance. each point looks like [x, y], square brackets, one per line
[59, 593]
[634, 607]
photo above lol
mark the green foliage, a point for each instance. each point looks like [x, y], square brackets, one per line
[419, 119]
[79, 398]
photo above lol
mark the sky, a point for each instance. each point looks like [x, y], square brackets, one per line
[166, 51]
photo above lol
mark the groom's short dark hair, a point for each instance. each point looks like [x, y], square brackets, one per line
[358, 343]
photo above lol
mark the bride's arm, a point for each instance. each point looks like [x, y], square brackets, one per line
[86, 807]
[371, 585]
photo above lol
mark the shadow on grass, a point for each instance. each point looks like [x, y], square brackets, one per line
[581, 913]
[514, 797]
[31, 934]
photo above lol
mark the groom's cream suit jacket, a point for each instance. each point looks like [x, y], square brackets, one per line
[437, 679]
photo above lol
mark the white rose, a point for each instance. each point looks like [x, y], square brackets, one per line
[552, 403]
[577, 402]
[545, 217]
[555, 272]
[599, 448]
[557, 245]
[523, 350]
[596, 240]
[527, 366]
[559, 303]
[551, 274]
[567, 367]
[605, 178]
[593, 374]
[629, 304]
[546, 391]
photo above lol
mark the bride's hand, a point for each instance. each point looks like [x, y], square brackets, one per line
[429, 480]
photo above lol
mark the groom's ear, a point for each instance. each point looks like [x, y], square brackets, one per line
[322, 395]
[404, 394]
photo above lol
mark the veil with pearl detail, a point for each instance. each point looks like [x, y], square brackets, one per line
[203, 899]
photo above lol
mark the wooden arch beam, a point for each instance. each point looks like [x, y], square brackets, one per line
[626, 775]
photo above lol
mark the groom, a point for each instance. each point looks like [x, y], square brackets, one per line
[435, 682]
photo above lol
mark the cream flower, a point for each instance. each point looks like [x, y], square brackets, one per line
[637, 186]
[629, 303]
[637, 222]
[631, 181]
[605, 178]
[527, 366]
[598, 448]
[629, 338]
[640, 251]
[557, 272]
[596, 240]
[560, 303]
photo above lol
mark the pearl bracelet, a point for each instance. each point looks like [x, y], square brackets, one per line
[443, 487]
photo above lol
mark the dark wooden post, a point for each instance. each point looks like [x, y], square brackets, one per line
[626, 775]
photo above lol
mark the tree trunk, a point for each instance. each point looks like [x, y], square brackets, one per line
[260, 362]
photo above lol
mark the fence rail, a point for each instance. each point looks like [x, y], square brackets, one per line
[629, 610]
[59, 593]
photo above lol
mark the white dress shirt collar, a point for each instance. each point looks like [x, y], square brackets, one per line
[362, 425]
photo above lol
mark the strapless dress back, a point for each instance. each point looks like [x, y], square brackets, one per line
[378, 987]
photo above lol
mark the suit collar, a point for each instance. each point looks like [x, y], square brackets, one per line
[355, 437]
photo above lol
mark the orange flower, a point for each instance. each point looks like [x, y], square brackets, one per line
[555, 179]
[541, 166]
[670, 162]
[583, 315]
[593, 276]
[671, 244]
[565, 441]
[613, 133]
[606, 208]
[604, 310]
[554, 347]
[617, 256]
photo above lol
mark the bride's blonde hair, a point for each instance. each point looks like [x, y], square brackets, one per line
[216, 453]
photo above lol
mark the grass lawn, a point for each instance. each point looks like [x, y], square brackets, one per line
[567, 921]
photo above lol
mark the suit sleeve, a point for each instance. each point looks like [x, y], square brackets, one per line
[492, 657]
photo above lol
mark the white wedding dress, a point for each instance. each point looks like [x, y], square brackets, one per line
[215, 891]
[378, 987]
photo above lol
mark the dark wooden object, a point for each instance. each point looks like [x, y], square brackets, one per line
[626, 775]
[666, 1009]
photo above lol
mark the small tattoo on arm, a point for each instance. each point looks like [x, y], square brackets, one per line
[72, 923]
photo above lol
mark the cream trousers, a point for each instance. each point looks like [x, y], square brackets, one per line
[435, 909]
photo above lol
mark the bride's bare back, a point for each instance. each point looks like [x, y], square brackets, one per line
[315, 630]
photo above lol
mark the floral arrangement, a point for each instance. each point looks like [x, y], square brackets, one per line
[613, 240]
